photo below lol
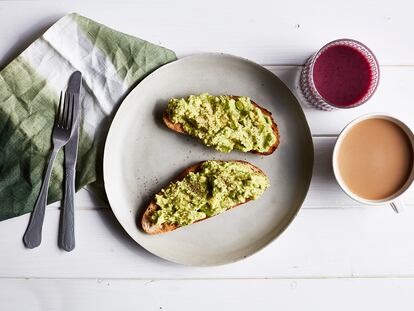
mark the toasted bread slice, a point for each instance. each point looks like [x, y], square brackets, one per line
[151, 228]
[179, 128]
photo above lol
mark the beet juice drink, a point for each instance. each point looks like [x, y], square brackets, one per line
[343, 74]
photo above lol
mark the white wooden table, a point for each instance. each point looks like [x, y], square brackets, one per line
[336, 255]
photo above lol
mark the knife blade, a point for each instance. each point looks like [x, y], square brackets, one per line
[67, 226]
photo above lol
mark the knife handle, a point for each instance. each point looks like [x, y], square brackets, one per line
[33, 235]
[67, 227]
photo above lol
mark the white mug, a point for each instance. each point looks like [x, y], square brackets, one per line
[393, 200]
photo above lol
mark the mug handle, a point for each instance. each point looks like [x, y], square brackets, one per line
[397, 205]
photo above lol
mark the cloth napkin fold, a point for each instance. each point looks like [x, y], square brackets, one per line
[111, 63]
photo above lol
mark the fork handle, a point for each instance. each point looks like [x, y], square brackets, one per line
[33, 234]
[67, 228]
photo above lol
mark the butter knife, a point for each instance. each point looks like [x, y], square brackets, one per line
[67, 225]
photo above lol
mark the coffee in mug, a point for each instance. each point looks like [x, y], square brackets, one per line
[374, 159]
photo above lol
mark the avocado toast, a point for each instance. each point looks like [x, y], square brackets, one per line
[201, 191]
[224, 122]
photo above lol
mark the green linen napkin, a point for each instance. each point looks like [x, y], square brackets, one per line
[111, 63]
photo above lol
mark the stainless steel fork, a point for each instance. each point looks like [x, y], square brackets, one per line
[61, 135]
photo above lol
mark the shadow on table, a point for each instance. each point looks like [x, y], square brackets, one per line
[33, 31]
[323, 171]
[116, 230]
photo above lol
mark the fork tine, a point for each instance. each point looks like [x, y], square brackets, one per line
[62, 112]
[59, 111]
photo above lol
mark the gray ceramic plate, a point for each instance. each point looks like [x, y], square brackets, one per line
[142, 155]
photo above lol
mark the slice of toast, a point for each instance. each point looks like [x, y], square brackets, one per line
[179, 128]
[151, 228]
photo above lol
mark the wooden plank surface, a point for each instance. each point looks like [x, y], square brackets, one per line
[268, 32]
[177, 295]
[336, 255]
[331, 243]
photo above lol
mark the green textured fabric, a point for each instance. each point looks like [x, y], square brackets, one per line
[29, 99]
[26, 110]
[120, 48]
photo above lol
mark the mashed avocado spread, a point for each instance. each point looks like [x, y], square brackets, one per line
[214, 189]
[223, 122]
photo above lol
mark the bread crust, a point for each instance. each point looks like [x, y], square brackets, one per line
[150, 228]
[179, 128]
